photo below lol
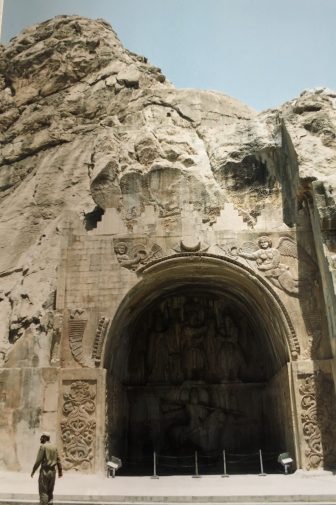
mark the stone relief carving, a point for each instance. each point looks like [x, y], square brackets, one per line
[78, 425]
[134, 254]
[169, 204]
[230, 357]
[317, 417]
[178, 419]
[77, 324]
[77, 313]
[190, 338]
[168, 224]
[276, 263]
[99, 339]
[193, 352]
[199, 419]
[269, 261]
[311, 431]
[131, 217]
[191, 245]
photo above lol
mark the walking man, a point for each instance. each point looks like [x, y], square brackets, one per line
[47, 457]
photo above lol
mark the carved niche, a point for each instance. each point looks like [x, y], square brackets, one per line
[318, 418]
[78, 425]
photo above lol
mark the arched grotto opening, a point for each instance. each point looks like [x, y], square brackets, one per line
[197, 360]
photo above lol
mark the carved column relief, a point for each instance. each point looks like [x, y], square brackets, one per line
[311, 430]
[78, 424]
[318, 417]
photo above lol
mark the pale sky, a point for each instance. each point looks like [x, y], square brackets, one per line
[263, 52]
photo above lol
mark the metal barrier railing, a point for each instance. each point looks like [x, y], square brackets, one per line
[196, 464]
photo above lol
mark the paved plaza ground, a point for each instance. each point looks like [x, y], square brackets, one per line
[300, 486]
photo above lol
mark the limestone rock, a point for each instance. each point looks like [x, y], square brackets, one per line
[311, 123]
[86, 125]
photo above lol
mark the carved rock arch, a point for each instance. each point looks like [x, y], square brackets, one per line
[139, 374]
[194, 268]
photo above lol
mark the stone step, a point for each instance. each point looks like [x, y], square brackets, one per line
[80, 502]
[20, 499]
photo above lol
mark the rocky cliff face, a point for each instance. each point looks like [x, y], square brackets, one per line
[87, 125]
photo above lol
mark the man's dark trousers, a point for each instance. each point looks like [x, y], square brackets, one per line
[46, 485]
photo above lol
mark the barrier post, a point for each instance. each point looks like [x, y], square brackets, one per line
[262, 473]
[154, 476]
[196, 476]
[224, 465]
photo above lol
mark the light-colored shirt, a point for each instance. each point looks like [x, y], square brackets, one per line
[47, 457]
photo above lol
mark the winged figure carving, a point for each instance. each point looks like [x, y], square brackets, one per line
[270, 260]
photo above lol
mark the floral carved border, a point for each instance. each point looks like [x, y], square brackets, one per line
[78, 425]
[310, 426]
[317, 417]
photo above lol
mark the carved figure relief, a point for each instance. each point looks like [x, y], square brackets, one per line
[161, 351]
[198, 367]
[77, 324]
[78, 425]
[269, 261]
[131, 217]
[170, 204]
[133, 255]
[189, 338]
[200, 421]
[193, 338]
[180, 419]
[164, 188]
[230, 359]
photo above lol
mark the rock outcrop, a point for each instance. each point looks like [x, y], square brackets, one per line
[87, 125]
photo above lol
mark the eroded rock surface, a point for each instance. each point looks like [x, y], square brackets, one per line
[86, 125]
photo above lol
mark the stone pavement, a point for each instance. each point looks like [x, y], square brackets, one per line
[298, 488]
